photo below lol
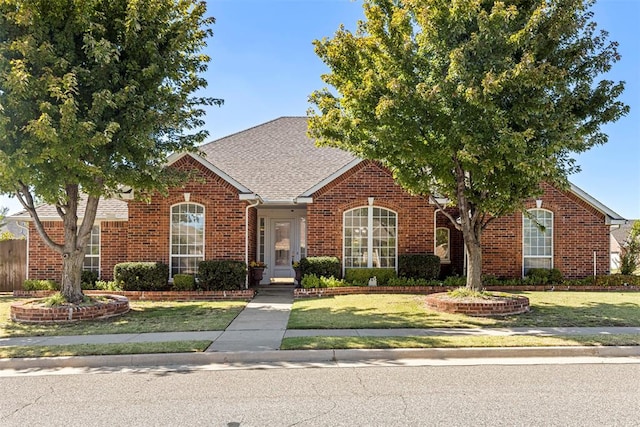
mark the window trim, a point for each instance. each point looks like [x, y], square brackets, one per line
[370, 217]
[551, 256]
[447, 259]
[86, 255]
[204, 234]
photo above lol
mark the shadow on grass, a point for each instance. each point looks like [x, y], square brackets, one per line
[143, 317]
[570, 309]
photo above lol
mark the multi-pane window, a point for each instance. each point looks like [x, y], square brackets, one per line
[370, 238]
[187, 238]
[92, 251]
[442, 246]
[537, 239]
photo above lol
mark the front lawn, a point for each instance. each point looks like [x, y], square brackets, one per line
[548, 309]
[145, 316]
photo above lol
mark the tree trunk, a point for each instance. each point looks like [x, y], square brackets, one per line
[474, 266]
[72, 275]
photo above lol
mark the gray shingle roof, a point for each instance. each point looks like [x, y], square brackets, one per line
[276, 159]
[621, 233]
[108, 209]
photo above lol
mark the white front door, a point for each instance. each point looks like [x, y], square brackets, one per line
[283, 237]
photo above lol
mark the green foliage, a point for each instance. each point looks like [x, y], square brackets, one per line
[463, 292]
[410, 281]
[54, 300]
[361, 276]
[94, 95]
[478, 102]
[6, 235]
[542, 276]
[313, 281]
[88, 279]
[141, 276]
[630, 259]
[219, 275]
[40, 285]
[102, 285]
[617, 280]
[184, 282]
[324, 266]
[419, 266]
[454, 281]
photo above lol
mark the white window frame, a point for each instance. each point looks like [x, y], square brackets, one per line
[87, 250]
[369, 228]
[447, 258]
[527, 223]
[171, 254]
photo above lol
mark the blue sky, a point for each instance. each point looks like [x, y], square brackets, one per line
[263, 66]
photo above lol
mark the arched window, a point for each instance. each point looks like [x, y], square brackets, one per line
[187, 238]
[537, 240]
[442, 244]
[370, 238]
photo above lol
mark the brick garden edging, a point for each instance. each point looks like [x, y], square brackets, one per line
[242, 295]
[27, 312]
[499, 306]
[426, 290]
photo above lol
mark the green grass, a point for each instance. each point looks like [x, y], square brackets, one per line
[104, 349]
[145, 316]
[326, 343]
[548, 309]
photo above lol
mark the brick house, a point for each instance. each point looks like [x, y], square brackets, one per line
[269, 194]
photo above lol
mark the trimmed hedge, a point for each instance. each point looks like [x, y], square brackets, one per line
[617, 280]
[221, 275]
[321, 266]
[361, 276]
[313, 281]
[419, 266]
[88, 279]
[543, 276]
[184, 282]
[40, 285]
[141, 276]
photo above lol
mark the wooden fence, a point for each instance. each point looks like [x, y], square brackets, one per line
[13, 264]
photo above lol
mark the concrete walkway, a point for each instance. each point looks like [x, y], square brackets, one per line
[262, 325]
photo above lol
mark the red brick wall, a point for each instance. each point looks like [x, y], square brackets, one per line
[579, 230]
[44, 263]
[224, 218]
[368, 179]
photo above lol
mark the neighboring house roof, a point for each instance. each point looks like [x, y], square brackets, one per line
[621, 233]
[108, 210]
[276, 160]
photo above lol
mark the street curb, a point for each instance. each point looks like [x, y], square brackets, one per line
[284, 357]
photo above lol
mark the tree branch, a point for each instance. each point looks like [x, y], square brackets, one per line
[26, 200]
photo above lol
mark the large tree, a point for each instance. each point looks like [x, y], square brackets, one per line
[472, 101]
[93, 96]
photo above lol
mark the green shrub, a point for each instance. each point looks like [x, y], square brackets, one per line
[102, 285]
[141, 276]
[361, 276]
[617, 280]
[184, 282]
[88, 279]
[555, 276]
[419, 266]
[455, 281]
[410, 281]
[313, 281]
[221, 275]
[321, 266]
[40, 285]
[538, 276]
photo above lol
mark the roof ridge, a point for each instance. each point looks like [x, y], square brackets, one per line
[250, 129]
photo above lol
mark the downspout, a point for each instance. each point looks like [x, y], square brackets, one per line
[246, 238]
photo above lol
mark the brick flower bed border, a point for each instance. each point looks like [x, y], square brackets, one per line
[27, 312]
[500, 306]
[426, 290]
[242, 295]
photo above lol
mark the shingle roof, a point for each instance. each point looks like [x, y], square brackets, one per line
[621, 233]
[108, 209]
[276, 160]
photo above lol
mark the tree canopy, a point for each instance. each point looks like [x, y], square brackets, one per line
[476, 101]
[93, 96]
